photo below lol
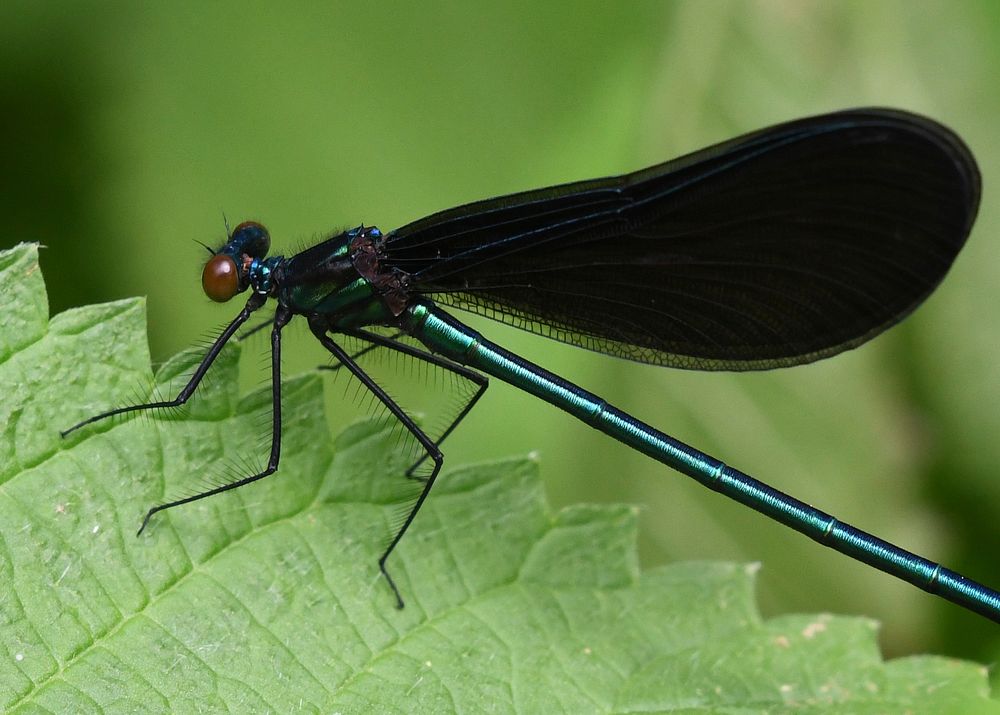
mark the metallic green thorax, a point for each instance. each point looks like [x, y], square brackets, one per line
[340, 278]
[329, 297]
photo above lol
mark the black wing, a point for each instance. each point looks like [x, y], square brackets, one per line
[776, 248]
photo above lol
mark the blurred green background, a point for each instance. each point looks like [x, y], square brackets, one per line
[129, 129]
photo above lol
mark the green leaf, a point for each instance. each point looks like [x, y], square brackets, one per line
[268, 598]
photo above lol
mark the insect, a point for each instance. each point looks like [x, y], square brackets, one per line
[777, 248]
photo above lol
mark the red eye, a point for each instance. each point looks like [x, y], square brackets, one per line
[221, 279]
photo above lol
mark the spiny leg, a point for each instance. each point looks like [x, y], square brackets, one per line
[281, 318]
[255, 329]
[391, 342]
[255, 302]
[372, 345]
[426, 442]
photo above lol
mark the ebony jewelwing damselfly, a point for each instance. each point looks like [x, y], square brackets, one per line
[777, 248]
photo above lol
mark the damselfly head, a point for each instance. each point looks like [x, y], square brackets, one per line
[228, 271]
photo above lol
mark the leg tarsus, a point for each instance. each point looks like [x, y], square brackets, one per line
[145, 520]
[392, 584]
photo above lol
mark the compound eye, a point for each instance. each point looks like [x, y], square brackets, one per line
[221, 279]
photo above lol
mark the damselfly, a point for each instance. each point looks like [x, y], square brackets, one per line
[777, 248]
